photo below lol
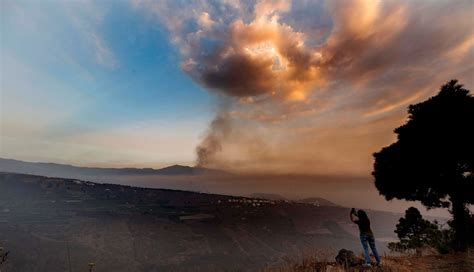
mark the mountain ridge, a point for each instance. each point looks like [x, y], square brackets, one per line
[65, 170]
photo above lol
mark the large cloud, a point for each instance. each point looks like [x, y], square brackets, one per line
[296, 76]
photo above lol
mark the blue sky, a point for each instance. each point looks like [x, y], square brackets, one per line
[75, 69]
[293, 86]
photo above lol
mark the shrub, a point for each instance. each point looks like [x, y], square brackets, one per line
[416, 233]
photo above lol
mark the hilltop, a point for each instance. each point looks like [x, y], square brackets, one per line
[126, 228]
[458, 262]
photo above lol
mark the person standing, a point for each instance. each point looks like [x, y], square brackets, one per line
[366, 235]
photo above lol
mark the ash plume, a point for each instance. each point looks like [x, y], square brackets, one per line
[301, 74]
[219, 128]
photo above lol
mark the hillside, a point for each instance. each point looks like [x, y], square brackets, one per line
[458, 262]
[124, 228]
[64, 170]
[316, 201]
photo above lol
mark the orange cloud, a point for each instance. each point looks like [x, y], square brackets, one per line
[302, 81]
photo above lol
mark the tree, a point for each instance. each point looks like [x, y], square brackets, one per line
[415, 232]
[433, 158]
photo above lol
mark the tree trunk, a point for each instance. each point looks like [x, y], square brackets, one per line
[460, 215]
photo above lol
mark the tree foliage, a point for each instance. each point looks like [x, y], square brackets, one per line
[433, 158]
[414, 232]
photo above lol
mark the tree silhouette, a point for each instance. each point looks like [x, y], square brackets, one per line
[433, 158]
[415, 232]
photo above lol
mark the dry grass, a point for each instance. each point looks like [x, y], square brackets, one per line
[460, 262]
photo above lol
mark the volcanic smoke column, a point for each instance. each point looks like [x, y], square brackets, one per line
[293, 75]
[261, 62]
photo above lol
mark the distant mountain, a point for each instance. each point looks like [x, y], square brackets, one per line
[276, 197]
[178, 170]
[317, 201]
[65, 170]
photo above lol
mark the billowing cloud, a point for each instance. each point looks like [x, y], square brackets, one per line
[300, 77]
[261, 57]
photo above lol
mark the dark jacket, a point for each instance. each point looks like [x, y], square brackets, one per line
[363, 224]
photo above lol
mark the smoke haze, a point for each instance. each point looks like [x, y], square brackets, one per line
[314, 86]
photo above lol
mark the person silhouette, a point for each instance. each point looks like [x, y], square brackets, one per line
[366, 235]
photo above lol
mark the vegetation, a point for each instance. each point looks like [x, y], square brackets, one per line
[451, 262]
[125, 228]
[416, 233]
[433, 158]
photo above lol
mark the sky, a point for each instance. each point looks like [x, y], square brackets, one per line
[95, 83]
[312, 87]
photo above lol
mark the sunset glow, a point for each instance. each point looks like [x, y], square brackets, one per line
[289, 82]
[236, 135]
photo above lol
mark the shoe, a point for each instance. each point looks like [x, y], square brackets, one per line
[366, 265]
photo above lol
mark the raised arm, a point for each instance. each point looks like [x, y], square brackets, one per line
[353, 215]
